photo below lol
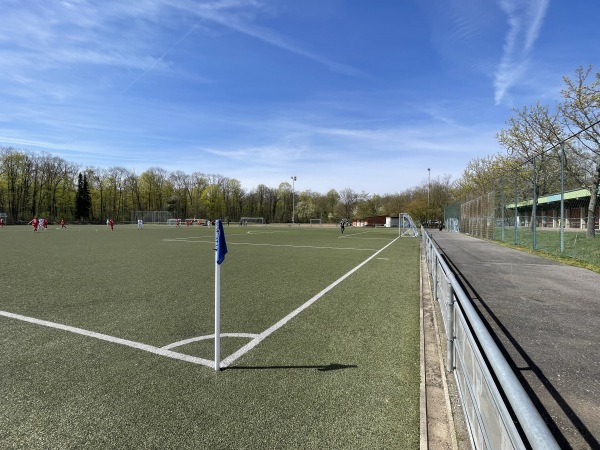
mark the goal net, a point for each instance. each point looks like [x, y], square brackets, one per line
[315, 222]
[245, 221]
[149, 216]
[407, 226]
[173, 222]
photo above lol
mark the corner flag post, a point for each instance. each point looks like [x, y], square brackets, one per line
[220, 251]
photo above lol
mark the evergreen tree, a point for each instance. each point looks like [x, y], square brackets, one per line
[87, 198]
[83, 199]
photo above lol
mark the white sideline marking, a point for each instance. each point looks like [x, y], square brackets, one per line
[254, 342]
[115, 340]
[195, 241]
[351, 234]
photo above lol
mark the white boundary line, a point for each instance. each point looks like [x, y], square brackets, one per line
[257, 340]
[165, 351]
[115, 340]
[196, 241]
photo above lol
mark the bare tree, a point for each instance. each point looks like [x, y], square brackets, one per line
[581, 116]
[348, 201]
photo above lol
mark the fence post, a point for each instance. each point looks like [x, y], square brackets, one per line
[502, 207]
[534, 207]
[516, 209]
[562, 197]
[450, 332]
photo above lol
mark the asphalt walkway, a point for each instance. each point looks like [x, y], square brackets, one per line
[546, 320]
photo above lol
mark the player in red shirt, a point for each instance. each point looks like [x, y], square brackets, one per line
[35, 224]
[111, 223]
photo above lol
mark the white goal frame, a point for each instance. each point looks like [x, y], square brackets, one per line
[406, 226]
[173, 222]
[245, 221]
[316, 222]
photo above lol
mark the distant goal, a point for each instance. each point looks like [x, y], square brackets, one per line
[173, 222]
[407, 227]
[316, 223]
[245, 221]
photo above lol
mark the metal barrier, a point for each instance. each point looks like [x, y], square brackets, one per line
[489, 421]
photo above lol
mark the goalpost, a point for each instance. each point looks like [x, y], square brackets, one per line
[315, 222]
[407, 227]
[245, 221]
[173, 222]
[149, 216]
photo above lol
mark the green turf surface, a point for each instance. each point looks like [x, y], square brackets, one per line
[344, 373]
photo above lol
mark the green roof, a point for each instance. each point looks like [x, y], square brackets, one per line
[568, 195]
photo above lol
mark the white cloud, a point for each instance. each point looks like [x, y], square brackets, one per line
[525, 19]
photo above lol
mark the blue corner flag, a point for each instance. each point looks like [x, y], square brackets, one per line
[221, 245]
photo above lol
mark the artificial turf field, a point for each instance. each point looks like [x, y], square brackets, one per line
[91, 319]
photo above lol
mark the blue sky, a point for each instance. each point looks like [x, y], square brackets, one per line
[365, 94]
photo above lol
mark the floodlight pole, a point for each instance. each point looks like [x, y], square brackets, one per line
[293, 203]
[428, 190]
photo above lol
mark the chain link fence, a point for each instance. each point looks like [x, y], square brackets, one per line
[539, 205]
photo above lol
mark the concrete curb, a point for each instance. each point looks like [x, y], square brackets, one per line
[437, 427]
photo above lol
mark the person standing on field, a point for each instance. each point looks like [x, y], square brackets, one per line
[111, 223]
[34, 223]
[342, 226]
[62, 223]
[140, 224]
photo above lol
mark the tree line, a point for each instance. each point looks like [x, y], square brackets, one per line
[43, 185]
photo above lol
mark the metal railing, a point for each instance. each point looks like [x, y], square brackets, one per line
[488, 390]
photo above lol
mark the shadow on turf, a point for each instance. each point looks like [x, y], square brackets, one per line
[332, 366]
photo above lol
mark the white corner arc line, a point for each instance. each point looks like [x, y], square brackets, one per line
[115, 340]
[257, 340]
[207, 337]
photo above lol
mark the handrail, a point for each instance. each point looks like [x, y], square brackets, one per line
[534, 427]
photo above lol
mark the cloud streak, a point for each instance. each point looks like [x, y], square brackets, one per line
[525, 19]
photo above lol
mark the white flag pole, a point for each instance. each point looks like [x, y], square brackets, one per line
[217, 307]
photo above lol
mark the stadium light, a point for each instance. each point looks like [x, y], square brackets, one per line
[428, 185]
[428, 190]
[293, 206]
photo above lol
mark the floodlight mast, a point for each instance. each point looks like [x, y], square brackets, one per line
[293, 195]
[428, 191]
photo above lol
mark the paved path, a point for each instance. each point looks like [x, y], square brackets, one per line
[546, 319]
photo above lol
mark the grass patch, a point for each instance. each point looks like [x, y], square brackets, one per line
[578, 251]
[342, 374]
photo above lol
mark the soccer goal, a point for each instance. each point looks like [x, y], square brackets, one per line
[173, 222]
[407, 227]
[315, 222]
[149, 216]
[245, 221]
